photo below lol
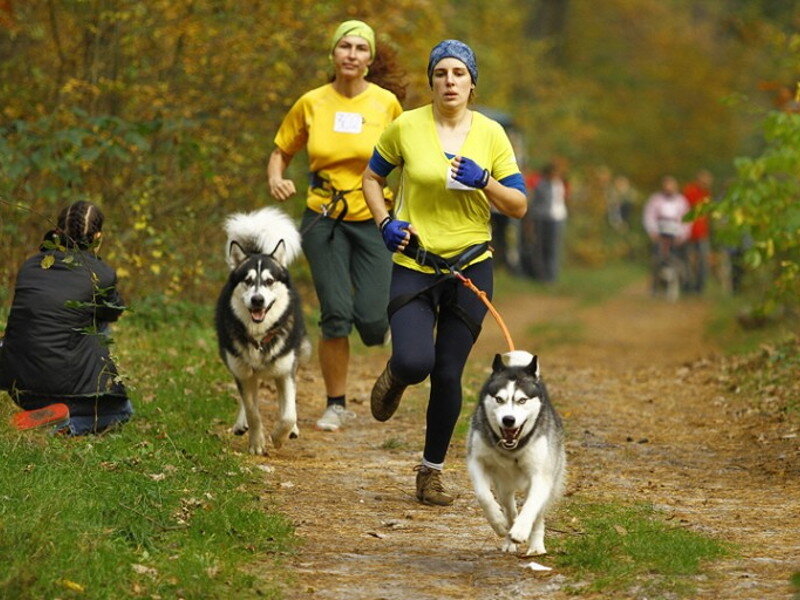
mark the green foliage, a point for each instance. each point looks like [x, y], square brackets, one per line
[164, 112]
[621, 546]
[760, 211]
[163, 116]
[70, 155]
[643, 86]
[161, 507]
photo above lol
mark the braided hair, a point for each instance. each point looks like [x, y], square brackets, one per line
[79, 223]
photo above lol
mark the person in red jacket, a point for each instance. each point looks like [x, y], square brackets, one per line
[699, 246]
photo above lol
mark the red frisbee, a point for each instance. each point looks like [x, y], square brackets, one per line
[55, 415]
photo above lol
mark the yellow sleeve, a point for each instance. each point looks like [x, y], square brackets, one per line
[397, 110]
[504, 162]
[388, 145]
[292, 135]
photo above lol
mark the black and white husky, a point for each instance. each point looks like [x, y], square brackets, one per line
[259, 319]
[516, 444]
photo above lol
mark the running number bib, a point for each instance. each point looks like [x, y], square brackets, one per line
[348, 122]
[452, 184]
[339, 134]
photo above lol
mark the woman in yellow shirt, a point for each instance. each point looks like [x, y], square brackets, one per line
[456, 163]
[339, 124]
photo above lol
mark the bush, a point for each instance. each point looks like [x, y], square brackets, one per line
[760, 212]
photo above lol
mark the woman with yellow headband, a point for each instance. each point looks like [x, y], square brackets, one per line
[338, 124]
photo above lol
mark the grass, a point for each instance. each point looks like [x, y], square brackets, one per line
[727, 330]
[559, 331]
[589, 285]
[619, 547]
[159, 508]
[164, 508]
[594, 285]
[394, 443]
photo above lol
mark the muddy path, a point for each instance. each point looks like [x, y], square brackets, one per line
[649, 415]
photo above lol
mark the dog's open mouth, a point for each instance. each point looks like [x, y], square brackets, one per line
[259, 314]
[509, 437]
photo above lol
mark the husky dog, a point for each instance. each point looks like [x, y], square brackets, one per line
[259, 320]
[516, 444]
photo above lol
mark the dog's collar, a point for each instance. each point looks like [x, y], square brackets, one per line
[261, 345]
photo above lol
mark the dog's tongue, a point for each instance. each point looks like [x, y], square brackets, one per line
[258, 314]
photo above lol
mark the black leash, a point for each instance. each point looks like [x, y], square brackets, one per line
[445, 269]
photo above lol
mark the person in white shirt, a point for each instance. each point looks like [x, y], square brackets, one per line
[664, 212]
[548, 210]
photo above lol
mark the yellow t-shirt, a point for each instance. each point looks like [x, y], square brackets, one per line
[448, 221]
[339, 134]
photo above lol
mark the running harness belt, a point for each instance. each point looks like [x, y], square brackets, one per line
[446, 269]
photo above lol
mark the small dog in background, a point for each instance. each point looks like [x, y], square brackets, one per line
[516, 444]
[259, 320]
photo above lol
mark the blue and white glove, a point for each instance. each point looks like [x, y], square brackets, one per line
[471, 173]
[394, 232]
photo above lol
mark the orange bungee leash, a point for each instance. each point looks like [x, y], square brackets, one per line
[447, 268]
[484, 298]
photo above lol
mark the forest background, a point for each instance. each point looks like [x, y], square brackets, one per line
[163, 111]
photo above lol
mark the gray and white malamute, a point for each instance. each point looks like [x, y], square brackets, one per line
[259, 320]
[516, 444]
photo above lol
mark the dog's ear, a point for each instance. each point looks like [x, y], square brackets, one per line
[236, 254]
[497, 363]
[279, 252]
[533, 367]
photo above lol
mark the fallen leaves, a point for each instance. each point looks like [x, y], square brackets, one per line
[144, 570]
[72, 585]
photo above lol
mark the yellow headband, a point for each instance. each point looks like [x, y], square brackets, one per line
[358, 28]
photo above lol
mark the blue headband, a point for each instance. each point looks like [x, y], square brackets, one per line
[453, 49]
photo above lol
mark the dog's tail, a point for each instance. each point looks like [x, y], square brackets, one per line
[265, 231]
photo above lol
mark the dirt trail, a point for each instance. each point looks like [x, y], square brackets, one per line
[648, 418]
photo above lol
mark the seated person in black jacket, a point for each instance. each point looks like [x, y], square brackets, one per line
[56, 344]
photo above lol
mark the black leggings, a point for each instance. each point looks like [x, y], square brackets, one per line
[429, 337]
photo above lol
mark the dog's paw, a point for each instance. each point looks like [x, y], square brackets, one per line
[278, 438]
[536, 550]
[519, 532]
[499, 525]
[509, 546]
[282, 432]
[258, 444]
[258, 449]
[239, 430]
